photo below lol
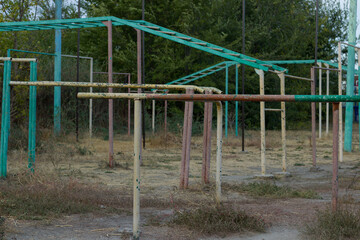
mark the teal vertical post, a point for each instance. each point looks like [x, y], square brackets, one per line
[236, 103]
[32, 117]
[5, 119]
[226, 103]
[57, 72]
[350, 77]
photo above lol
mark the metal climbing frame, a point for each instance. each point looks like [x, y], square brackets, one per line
[5, 115]
[217, 98]
[138, 25]
[68, 56]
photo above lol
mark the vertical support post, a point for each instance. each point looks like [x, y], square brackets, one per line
[358, 53]
[165, 117]
[219, 151]
[57, 72]
[129, 108]
[137, 159]
[350, 77]
[111, 108]
[90, 100]
[139, 78]
[207, 141]
[327, 93]
[236, 103]
[262, 122]
[153, 116]
[226, 102]
[5, 118]
[340, 104]
[313, 119]
[243, 81]
[32, 118]
[184, 145]
[283, 121]
[335, 181]
[188, 141]
[320, 93]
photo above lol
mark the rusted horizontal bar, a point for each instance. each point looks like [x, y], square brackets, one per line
[108, 85]
[350, 45]
[18, 59]
[300, 78]
[114, 73]
[330, 69]
[228, 97]
[273, 110]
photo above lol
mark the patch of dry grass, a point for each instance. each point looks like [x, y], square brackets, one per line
[342, 224]
[219, 220]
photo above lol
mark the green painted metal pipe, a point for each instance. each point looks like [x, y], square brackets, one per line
[25, 51]
[32, 118]
[5, 119]
[350, 77]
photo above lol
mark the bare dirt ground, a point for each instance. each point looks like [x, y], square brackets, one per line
[160, 179]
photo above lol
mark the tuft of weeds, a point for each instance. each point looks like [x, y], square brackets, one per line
[265, 189]
[82, 150]
[218, 220]
[299, 164]
[329, 225]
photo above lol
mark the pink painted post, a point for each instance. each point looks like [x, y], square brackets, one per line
[209, 128]
[188, 140]
[207, 141]
[110, 80]
[129, 108]
[184, 145]
[335, 177]
[165, 117]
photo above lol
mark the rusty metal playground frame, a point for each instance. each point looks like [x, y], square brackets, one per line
[188, 97]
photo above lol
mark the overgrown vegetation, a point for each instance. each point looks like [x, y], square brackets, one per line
[342, 224]
[218, 220]
[265, 189]
[42, 197]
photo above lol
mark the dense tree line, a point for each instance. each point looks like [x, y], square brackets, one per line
[275, 30]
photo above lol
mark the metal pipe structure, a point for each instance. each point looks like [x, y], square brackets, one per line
[69, 56]
[283, 122]
[137, 163]
[32, 118]
[153, 117]
[109, 85]
[108, 24]
[129, 109]
[205, 172]
[57, 71]
[219, 151]
[350, 75]
[335, 179]
[262, 122]
[313, 120]
[226, 103]
[340, 104]
[243, 81]
[236, 103]
[5, 113]
[327, 93]
[320, 92]
[258, 98]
